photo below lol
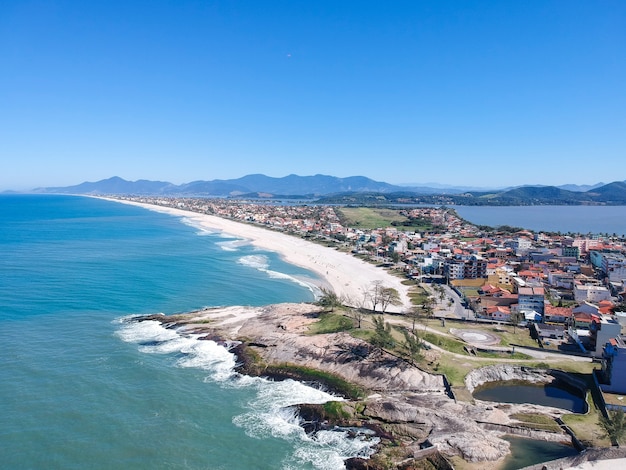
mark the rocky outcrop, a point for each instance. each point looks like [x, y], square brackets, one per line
[278, 336]
[405, 406]
[504, 372]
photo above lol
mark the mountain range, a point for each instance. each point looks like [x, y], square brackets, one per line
[301, 186]
[352, 190]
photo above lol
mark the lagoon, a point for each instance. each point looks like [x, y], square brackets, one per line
[552, 394]
[525, 452]
[575, 219]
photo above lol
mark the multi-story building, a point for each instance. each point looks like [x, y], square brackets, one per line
[570, 251]
[466, 267]
[531, 299]
[454, 269]
[591, 293]
[560, 279]
[612, 264]
[475, 268]
[603, 329]
[614, 367]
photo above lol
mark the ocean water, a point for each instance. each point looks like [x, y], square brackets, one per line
[79, 388]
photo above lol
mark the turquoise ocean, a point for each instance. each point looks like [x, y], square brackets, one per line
[82, 389]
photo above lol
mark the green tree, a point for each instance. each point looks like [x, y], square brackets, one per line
[382, 337]
[614, 426]
[389, 296]
[414, 314]
[413, 346]
[329, 300]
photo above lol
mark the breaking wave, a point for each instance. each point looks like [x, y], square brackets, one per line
[271, 412]
[261, 263]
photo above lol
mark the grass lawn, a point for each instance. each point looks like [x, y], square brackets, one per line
[455, 368]
[507, 333]
[372, 218]
[586, 426]
[331, 323]
[537, 421]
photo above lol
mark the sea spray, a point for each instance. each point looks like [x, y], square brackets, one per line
[75, 395]
[271, 413]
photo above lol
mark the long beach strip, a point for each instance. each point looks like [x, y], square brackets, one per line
[348, 276]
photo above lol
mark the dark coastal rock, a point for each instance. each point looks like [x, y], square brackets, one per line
[406, 408]
[356, 463]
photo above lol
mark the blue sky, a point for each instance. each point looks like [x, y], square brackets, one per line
[473, 93]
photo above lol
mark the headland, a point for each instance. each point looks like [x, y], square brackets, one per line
[411, 411]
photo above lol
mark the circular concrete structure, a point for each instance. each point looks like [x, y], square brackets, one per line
[476, 337]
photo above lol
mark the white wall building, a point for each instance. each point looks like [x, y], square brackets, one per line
[593, 294]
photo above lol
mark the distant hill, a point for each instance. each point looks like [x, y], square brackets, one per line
[351, 190]
[610, 194]
[313, 186]
[114, 185]
[580, 187]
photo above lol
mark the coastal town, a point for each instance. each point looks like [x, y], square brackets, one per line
[565, 286]
[565, 292]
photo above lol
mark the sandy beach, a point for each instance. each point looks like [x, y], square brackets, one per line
[347, 276]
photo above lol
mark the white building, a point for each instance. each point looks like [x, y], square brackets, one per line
[591, 293]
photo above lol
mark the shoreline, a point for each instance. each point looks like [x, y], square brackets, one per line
[348, 276]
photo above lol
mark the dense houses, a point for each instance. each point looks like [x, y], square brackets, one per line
[571, 289]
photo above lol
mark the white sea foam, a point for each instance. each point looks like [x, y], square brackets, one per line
[271, 411]
[153, 338]
[261, 263]
[279, 275]
[208, 355]
[202, 230]
[140, 332]
[231, 245]
[327, 450]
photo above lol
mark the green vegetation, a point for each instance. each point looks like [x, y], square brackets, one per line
[365, 335]
[334, 410]
[413, 346]
[504, 355]
[614, 427]
[586, 428]
[331, 323]
[370, 218]
[537, 421]
[329, 300]
[612, 193]
[303, 373]
[382, 337]
[447, 343]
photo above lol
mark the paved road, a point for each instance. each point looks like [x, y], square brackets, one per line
[451, 305]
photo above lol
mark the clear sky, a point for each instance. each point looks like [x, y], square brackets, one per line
[478, 93]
